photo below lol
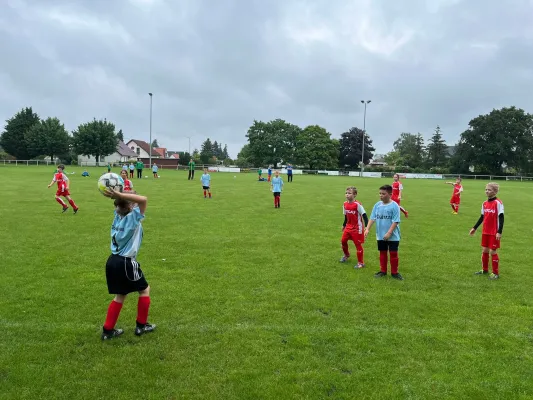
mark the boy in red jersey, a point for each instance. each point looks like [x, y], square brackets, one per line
[352, 229]
[492, 220]
[455, 201]
[128, 185]
[397, 188]
[63, 189]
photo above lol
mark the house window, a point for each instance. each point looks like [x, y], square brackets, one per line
[138, 150]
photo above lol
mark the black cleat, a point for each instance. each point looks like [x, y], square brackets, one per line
[76, 210]
[482, 272]
[65, 209]
[113, 333]
[142, 329]
[380, 274]
[397, 276]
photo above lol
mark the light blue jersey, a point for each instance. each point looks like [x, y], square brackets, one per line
[206, 180]
[127, 234]
[385, 215]
[277, 184]
[132, 167]
[155, 168]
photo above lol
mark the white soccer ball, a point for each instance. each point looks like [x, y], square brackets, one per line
[111, 181]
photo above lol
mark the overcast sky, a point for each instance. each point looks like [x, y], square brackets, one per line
[215, 66]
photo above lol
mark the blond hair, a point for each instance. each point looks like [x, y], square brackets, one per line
[494, 186]
[352, 188]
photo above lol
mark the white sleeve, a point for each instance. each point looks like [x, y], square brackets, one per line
[400, 187]
[482, 209]
[500, 207]
[460, 189]
[361, 209]
[343, 210]
[65, 178]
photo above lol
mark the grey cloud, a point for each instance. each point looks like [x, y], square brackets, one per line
[215, 66]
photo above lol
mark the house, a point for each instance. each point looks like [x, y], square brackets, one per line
[162, 151]
[142, 149]
[173, 154]
[123, 154]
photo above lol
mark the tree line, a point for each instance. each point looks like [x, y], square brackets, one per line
[500, 142]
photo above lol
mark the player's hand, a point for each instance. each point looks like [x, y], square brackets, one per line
[472, 232]
[49, 186]
[498, 236]
[386, 236]
[366, 232]
[111, 193]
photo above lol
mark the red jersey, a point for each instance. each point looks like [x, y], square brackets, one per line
[457, 189]
[396, 188]
[491, 209]
[61, 180]
[354, 216]
[128, 185]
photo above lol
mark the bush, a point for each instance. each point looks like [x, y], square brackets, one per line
[73, 162]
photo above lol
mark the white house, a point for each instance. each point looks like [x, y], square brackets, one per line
[123, 154]
[142, 149]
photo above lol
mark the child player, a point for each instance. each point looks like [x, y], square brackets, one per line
[206, 183]
[269, 172]
[386, 215]
[123, 272]
[455, 201]
[492, 220]
[128, 185]
[397, 188]
[155, 168]
[63, 189]
[276, 187]
[354, 218]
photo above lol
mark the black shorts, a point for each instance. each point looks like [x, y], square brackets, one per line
[384, 245]
[124, 275]
[206, 187]
[276, 194]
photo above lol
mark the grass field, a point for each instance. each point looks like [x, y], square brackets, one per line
[251, 301]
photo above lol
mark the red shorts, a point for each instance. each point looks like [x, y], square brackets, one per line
[354, 236]
[455, 200]
[490, 241]
[63, 192]
[396, 200]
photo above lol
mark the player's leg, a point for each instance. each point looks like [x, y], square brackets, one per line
[63, 204]
[71, 202]
[383, 259]
[495, 258]
[344, 245]
[279, 198]
[394, 259]
[404, 211]
[205, 192]
[209, 192]
[143, 306]
[358, 239]
[275, 200]
[485, 239]
[115, 285]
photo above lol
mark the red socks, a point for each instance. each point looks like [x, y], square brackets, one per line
[345, 249]
[74, 206]
[276, 201]
[394, 262]
[143, 305]
[383, 261]
[112, 315]
[205, 193]
[485, 261]
[360, 253]
[495, 264]
[60, 201]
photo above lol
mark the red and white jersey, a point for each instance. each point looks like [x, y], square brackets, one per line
[128, 185]
[61, 180]
[354, 214]
[457, 190]
[396, 188]
[490, 210]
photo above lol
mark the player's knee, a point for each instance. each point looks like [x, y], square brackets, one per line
[492, 252]
[145, 292]
[119, 298]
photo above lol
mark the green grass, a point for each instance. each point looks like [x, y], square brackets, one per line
[251, 301]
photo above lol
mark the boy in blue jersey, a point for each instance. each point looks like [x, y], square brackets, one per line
[276, 187]
[269, 172]
[155, 168]
[386, 215]
[123, 272]
[206, 183]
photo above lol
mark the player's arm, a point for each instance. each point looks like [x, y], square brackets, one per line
[53, 180]
[478, 223]
[67, 181]
[345, 221]
[362, 212]
[141, 201]
[391, 229]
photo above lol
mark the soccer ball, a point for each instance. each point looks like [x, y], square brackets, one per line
[111, 181]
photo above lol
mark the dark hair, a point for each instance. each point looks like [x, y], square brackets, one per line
[123, 206]
[61, 166]
[386, 188]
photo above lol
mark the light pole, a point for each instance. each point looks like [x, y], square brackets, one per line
[150, 130]
[365, 102]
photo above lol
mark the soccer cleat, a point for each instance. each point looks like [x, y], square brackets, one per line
[113, 333]
[76, 210]
[494, 276]
[359, 265]
[142, 329]
[65, 209]
[380, 274]
[397, 276]
[482, 272]
[344, 259]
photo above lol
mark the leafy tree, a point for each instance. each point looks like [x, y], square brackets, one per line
[48, 137]
[206, 153]
[409, 149]
[95, 138]
[502, 137]
[13, 139]
[196, 155]
[243, 158]
[154, 143]
[437, 150]
[351, 145]
[225, 153]
[120, 135]
[185, 157]
[216, 150]
[316, 149]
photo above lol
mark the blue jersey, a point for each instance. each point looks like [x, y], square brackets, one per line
[127, 234]
[289, 170]
[269, 171]
[206, 180]
[277, 184]
[385, 215]
[155, 168]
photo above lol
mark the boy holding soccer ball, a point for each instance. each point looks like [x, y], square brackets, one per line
[123, 272]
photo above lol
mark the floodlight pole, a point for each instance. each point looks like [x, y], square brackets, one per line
[364, 133]
[150, 130]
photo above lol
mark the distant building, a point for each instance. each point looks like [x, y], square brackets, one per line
[142, 149]
[123, 154]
